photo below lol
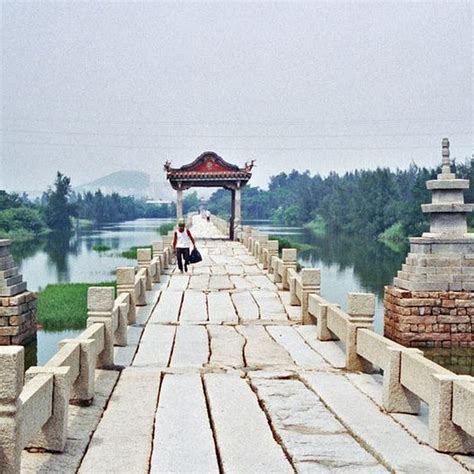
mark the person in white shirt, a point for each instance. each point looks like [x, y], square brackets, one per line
[182, 242]
[208, 216]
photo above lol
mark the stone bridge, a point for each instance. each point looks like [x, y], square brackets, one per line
[224, 369]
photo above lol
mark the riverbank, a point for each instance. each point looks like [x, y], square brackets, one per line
[63, 306]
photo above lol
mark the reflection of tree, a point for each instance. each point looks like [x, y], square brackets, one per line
[24, 249]
[58, 247]
[373, 263]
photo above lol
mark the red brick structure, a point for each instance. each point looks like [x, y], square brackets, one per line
[429, 318]
[17, 304]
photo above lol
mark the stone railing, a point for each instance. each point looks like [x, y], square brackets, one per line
[221, 224]
[408, 377]
[34, 405]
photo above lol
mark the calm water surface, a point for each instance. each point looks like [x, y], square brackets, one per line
[347, 265]
[63, 260]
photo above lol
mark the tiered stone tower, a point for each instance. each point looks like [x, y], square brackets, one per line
[432, 302]
[17, 305]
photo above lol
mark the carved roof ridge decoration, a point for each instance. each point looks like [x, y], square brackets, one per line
[208, 170]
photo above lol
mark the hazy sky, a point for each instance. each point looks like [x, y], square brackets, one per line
[91, 88]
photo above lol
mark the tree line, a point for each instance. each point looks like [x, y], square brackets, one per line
[361, 202]
[56, 209]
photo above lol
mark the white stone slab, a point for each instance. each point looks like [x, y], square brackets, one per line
[295, 345]
[199, 282]
[155, 346]
[271, 308]
[247, 309]
[384, 437]
[234, 269]
[261, 350]
[329, 350]
[167, 309]
[244, 439]
[183, 437]
[226, 347]
[313, 437]
[241, 282]
[194, 307]
[191, 347]
[220, 308]
[220, 282]
[262, 282]
[178, 281]
[122, 442]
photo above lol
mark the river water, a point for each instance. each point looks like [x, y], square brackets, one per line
[347, 265]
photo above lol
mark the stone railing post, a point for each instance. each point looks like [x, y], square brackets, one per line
[100, 306]
[11, 385]
[159, 252]
[126, 284]
[270, 249]
[289, 261]
[361, 311]
[310, 283]
[83, 390]
[144, 260]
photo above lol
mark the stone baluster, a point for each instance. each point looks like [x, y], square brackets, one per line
[289, 261]
[310, 283]
[100, 306]
[159, 252]
[11, 385]
[361, 311]
[126, 284]
[144, 261]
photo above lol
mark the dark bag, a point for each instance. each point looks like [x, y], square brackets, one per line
[195, 256]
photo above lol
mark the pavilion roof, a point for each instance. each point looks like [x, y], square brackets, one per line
[208, 169]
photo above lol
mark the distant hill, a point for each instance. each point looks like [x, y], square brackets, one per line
[129, 183]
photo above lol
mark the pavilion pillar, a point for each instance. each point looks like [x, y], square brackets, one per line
[237, 210]
[179, 204]
[232, 214]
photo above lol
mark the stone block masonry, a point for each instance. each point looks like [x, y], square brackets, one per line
[17, 304]
[429, 318]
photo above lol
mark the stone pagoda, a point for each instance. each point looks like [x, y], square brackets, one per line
[17, 304]
[431, 303]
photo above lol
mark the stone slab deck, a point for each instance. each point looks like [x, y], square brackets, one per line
[223, 378]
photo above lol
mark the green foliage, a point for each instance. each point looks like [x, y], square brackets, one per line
[64, 305]
[131, 253]
[165, 228]
[21, 223]
[58, 211]
[317, 226]
[101, 248]
[394, 237]
[284, 243]
[191, 202]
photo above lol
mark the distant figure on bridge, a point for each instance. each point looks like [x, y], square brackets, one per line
[208, 216]
[182, 242]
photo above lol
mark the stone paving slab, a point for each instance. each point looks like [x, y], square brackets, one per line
[295, 345]
[167, 309]
[247, 308]
[122, 441]
[221, 308]
[194, 307]
[245, 442]
[155, 346]
[226, 347]
[191, 347]
[183, 437]
[178, 282]
[313, 438]
[381, 435]
[261, 350]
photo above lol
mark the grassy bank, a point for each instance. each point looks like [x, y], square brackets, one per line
[131, 253]
[64, 305]
[284, 243]
[394, 237]
[317, 226]
[101, 248]
[165, 228]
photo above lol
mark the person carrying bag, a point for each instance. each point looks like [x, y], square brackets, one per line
[182, 242]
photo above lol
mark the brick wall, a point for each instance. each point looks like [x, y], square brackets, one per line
[429, 318]
[18, 318]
